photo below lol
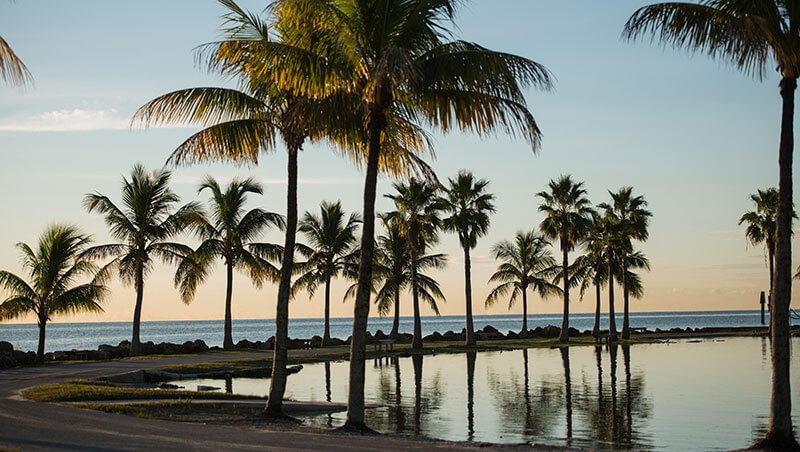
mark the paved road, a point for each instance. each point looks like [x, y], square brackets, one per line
[34, 426]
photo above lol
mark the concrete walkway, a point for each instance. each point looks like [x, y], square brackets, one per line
[34, 426]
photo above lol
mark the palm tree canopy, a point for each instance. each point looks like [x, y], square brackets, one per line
[12, 69]
[525, 263]
[631, 211]
[229, 232]
[468, 205]
[53, 268]
[754, 36]
[568, 211]
[417, 211]
[397, 57]
[143, 224]
[331, 246]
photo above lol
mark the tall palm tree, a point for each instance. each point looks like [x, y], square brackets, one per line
[568, 216]
[526, 264]
[417, 213]
[229, 233]
[397, 58]
[592, 267]
[468, 205]
[633, 217]
[142, 226]
[241, 123]
[53, 268]
[332, 249]
[607, 240]
[12, 69]
[754, 36]
[392, 274]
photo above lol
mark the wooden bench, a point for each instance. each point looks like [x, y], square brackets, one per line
[385, 344]
[600, 338]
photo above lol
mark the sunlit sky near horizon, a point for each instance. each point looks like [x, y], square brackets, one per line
[693, 136]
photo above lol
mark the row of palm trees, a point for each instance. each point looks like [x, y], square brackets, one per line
[365, 74]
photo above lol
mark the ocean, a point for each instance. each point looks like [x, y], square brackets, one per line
[69, 336]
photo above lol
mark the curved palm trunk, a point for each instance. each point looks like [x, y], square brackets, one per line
[396, 321]
[565, 321]
[468, 292]
[326, 336]
[40, 349]
[227, 342]
[596, 327]
[779, 433]
[612, 321]
[278, 381]
[626, 332]
[416, 342]
[358, 344]
[525, 311]
[136, 344]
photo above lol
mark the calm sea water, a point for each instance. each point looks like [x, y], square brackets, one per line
[686, 395]
[68, 336]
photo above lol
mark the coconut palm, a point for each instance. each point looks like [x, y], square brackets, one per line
[761, 226]
[331, 251]
[753, 36]
[241, 123]
[568, 217]
[526, 264]
[229, 233]
[593, 269]
[53, 268]
[417, 213]
[468, 205]
[392, 274]
[633, 217]
[607, 239]
[396, 56]
[12, 69]
[142, 225]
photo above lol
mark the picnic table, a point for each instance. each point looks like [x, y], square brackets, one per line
[385, 344]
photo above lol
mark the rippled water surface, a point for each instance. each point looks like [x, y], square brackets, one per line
[686, 395]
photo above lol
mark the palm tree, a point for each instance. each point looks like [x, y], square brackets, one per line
[12, 69]
[418, 216]
[392, 274]
[332, 248]
[229, 234]
[526, 264]
[607, 240]
[241, 123]
[142, 226]
[754, 37]
[568, 216]
[592, 268]
[397, 59]
[633, 217]
[468, 205]
[53, 268]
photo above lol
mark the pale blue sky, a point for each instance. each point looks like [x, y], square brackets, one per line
[693, 136]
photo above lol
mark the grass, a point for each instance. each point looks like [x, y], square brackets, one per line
[178, 411]
[82, 390]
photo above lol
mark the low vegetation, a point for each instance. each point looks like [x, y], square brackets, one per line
[83, 390]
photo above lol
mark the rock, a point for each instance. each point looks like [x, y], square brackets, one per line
[573, 332]
[450, 336]
[147, 347]
[512, 335]
[335, 341]
[550, 331]
[244, 343]
[380, 336]
[6, 347]
[59, 356]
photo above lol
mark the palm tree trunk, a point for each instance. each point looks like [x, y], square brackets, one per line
[612, 321]
[626, 333]
[596, 327]
[568, 391]
[779, 433]
[416, 342]
[227, 342]
[278, 381]
[525, 310]
[326, 336]
[396, 322]
[565, 274]
[417, 361]
[136, 344]
[468, 291]
[771, 251]
[471, 393]
[40, 349]
[358, 344]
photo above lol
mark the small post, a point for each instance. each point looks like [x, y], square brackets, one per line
[763, 301]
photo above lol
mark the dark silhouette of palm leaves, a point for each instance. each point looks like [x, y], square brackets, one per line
[12, 69]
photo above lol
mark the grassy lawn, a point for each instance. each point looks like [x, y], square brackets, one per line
[179, 411]
[82, 390]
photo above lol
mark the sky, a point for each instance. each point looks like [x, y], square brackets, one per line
[693, 136]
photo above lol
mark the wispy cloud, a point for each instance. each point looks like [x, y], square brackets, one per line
[70, 120]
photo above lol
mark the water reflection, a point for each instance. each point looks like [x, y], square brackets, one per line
[711, 395]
